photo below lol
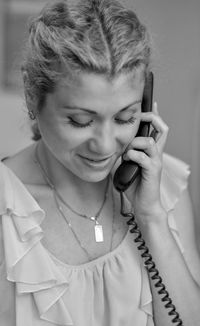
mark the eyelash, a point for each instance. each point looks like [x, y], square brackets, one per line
[80, 125]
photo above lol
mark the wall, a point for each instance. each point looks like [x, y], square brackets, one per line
[14, 125]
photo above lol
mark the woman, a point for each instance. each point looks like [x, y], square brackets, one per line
[68, 257]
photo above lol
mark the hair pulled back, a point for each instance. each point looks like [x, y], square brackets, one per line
[65, 39]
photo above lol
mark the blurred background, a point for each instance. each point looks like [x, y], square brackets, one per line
[175, 27]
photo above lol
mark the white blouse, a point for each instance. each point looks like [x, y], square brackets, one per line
[37, 289]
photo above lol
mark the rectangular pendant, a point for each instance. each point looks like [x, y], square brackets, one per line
[98, 233]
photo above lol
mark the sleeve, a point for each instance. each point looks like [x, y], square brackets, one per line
[174, 181]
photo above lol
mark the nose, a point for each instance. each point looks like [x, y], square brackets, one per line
[103, 141]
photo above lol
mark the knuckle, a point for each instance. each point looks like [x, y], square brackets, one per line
[142, 156]
[166, 129]
[151, 141]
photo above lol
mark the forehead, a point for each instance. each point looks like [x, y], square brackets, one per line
[100, 82]
[89, 89]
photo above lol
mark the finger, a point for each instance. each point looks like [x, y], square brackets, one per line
[156, 120]
[154, 133]
[160, 127]
[145, 144]
[139, 157]
[155, 108]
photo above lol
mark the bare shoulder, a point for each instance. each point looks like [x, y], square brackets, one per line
[23, 165]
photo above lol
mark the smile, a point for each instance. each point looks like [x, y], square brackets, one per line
[96, 160]
[98, 163]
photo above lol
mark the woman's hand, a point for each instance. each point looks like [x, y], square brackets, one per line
[147, 152]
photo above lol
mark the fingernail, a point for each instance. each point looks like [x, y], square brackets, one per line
[125, 157]
[156, 107]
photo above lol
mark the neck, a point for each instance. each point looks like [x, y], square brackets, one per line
[65, 181]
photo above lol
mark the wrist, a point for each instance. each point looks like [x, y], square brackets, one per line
[156, 230]
[156, 216]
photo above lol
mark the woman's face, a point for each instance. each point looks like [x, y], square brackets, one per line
[88, 122]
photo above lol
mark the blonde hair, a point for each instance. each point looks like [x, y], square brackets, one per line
[95, 36]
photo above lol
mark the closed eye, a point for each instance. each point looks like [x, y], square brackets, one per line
[131, 120]
[77, 124]
[88, 123]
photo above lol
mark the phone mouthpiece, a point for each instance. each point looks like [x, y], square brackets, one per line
[125, 175]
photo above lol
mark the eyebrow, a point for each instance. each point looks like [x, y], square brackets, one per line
[73, 107]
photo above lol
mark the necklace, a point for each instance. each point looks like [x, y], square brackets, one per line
[98, 229]
[74, 233]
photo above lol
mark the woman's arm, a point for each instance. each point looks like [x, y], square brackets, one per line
[180, 273]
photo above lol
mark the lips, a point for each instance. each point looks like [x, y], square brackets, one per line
[96, 160]
[97, 164]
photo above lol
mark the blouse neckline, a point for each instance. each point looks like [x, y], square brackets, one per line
[92, 262]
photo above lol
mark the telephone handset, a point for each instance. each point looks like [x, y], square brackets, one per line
[124, 176]
[127, 172]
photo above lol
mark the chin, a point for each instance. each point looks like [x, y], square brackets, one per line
[92, 172]
[95, 176]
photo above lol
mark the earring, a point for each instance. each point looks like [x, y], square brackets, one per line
[31, 114]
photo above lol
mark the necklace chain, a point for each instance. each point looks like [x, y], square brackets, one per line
[74, 233]
[57, 197]
[45, 175]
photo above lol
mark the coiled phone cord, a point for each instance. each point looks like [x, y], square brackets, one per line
[149, 263]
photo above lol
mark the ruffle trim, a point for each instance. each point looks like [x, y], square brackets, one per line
[174, 180]
[29, 264]
[146, 297]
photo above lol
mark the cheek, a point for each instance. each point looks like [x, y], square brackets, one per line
[128, 134]
[60, 136]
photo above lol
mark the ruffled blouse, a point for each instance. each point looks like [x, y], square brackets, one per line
[110, 290]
